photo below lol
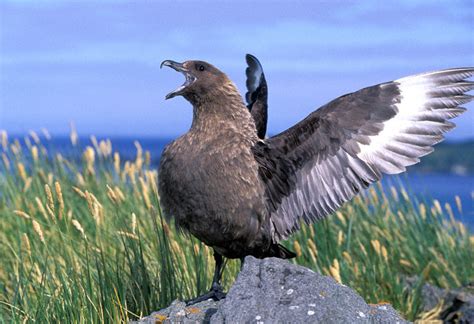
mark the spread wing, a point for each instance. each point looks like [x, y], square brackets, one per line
[312, 168]
[256, 95]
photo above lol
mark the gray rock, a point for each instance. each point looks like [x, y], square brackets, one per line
[275, 291]
[458, 304]
[177, 312]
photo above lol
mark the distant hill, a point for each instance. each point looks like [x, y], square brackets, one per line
[449, 157]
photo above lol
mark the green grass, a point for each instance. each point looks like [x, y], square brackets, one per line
[87, 243]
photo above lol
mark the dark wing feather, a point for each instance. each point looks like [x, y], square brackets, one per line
[312, 168]
[256, 95]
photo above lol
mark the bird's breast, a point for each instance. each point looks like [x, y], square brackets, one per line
[212, 188]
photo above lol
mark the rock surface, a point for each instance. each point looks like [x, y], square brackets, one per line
[273, 290]
[457, 304]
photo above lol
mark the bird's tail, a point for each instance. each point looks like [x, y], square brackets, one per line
[279, 251]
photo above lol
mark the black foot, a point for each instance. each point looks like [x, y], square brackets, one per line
[216, 293]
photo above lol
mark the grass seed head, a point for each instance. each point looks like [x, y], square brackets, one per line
[22, 171]
[25, 241]
[297, 247]
[22, 214]
[59, 194]
[6, 161]
[437, 207]
[4, 139]
[458, 203]
[34, 153]
[41, 208]
[78, 227]
[117, 162]
[38, 230]
[334, 270]
[73, 135]
[347, 257]
[27, 185]
[134, 223]
[376, 245]
[111, 195]
[49, 196]
[394, 193]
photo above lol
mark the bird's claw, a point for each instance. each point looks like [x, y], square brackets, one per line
[216, 293]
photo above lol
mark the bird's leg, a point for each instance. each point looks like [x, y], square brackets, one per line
[216, 292]
[242, 261]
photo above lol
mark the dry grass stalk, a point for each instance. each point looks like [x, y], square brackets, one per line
[376, 245]
[458, 203]
[27, 185]
[312, 247]
[422, 209]
[147, 158]
[78, 227]
[46, 133]
[49, 196]
[35, 137]
[25, 241]
[134, 223]
[73, 135]
[119, 194]
[145, 194]
[111, 195]
[362, 248]
[341, 218]
[80, 179]
[340, 238]
[41, 208]
[139, 158]
[38, 230]
[89, 158]
[22, 214]
[127, 234]
[394, 193]
[196, 249]
[105, 148]
[6, 162]
[79, 192]
[334, 270]
[347, 257]
[21, 171]
[117, 162]
[297, 247]
[34, 153]
[448, 208]
[384, 253]
[405, 263]
[59, 194]
[437, 207]
[4, 139]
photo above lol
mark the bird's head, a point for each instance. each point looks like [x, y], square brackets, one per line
[202, 79]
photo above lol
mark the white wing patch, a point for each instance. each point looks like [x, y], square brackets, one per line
[425, 104]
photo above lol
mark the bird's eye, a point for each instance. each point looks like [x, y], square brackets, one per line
[201, 67]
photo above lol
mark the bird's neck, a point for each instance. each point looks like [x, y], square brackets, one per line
[222, 110]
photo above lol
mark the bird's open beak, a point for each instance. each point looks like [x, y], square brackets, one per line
[180, 68]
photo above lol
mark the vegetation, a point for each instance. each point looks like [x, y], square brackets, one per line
[87, 243]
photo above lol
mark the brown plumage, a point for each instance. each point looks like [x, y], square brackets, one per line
[241, 194]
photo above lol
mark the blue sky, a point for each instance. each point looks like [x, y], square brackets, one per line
[97, 62]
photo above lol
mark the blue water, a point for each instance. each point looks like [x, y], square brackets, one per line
[443, 187]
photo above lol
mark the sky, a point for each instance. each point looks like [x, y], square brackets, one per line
[96, 63]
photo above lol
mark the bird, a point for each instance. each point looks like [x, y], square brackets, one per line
[241, 192]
